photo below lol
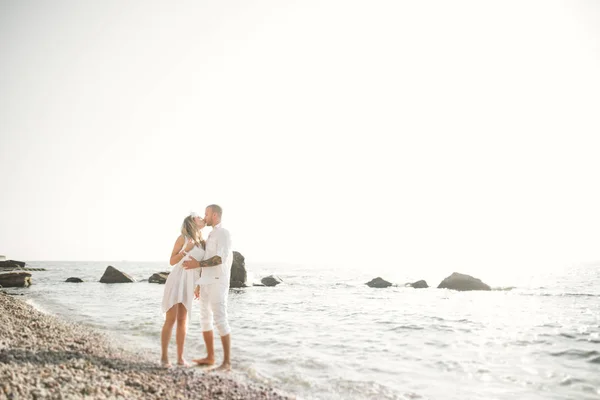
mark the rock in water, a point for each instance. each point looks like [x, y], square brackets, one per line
[462, 282]
[238, 271]
[418, 284]
[74, 280]
[113, 275]
[12, 264]
[378, 283]
[271, 280]
[159, 277]
[15, 279]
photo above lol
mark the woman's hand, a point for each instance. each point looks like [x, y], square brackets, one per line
[197, 292]
[190, 245]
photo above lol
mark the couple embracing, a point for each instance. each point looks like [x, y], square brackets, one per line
[201, 270]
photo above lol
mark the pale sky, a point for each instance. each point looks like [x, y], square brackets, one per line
[395, 134]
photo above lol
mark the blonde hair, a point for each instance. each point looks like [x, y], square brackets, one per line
[190, 230]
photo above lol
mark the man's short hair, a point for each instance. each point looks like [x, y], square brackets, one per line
[216, 209]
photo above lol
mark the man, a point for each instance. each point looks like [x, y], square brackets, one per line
[214, 287]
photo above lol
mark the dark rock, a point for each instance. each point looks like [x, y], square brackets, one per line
[74, 280]
[258, 284]
[418, 284]
[113, 275]
[271, 280]
[378, 283]
[238, 271]
[159, 277]
[15, 279]
[462, 282]
[12, 264]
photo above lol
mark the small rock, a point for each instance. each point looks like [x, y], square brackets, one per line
[159, 277]
[271, 280]
[15, 279]
[74, 280]
[39, 393]
[462, 282]
[418, 284]
[113, 275]
[378, 283]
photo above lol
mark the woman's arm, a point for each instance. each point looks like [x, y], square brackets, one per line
[177, 254]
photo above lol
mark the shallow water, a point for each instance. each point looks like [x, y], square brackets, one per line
[323, 337]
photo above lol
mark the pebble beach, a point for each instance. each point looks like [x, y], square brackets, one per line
[42, 356]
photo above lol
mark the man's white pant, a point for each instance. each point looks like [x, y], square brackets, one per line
[213, 302]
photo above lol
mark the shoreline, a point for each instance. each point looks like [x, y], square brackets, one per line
[44, 356]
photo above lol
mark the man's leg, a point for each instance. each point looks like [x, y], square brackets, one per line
[226, 341]
[221, 320]
[210, 349]
[206, 322]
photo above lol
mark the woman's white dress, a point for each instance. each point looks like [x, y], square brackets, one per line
[179, 287]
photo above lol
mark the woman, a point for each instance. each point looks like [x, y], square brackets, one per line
[179, 288]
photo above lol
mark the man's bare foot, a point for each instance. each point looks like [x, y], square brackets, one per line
[165, 364]
[225, 367]
[183, 363]
[204, 361]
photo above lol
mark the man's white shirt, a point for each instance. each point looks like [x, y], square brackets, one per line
[217, 244]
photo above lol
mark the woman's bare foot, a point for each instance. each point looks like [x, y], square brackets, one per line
[183, 363]
[165, 364]
[225, 367]
[204, 361]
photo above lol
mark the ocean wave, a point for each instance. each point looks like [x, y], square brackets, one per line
[341, 285]
[570, 381]
[567, 335]
[589, 340]
[577, 354]
[559, 294]
[525, 343]
[367, 389]
[407, 327]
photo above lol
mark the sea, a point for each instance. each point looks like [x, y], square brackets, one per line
[324, 334]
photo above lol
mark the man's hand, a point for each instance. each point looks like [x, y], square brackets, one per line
[197, 292]
[192, 263]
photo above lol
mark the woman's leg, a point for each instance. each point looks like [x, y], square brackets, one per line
[180, 335]
[165, 336]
